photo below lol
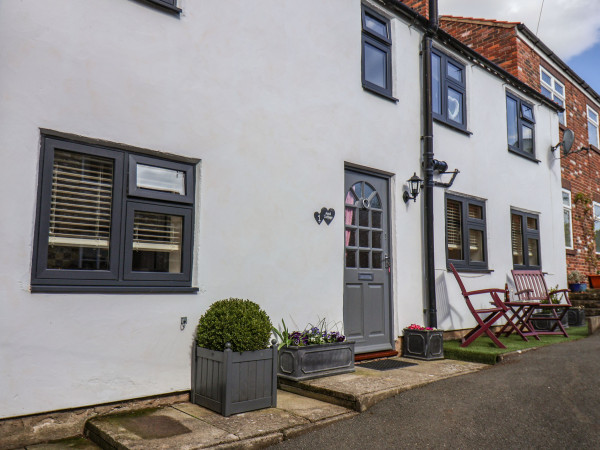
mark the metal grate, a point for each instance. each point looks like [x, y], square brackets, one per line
[386, 364]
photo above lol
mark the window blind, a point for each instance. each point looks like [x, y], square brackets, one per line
[516, 235]
[453, 225]
[156, 232]
[81, 205]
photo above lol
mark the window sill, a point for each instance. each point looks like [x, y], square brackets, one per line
[571, 252]
[113, 289]
[562, 127]
[470, 270]
[595, 149]
[452, 127]
[524, 155]
[165, 6]
[380, 94]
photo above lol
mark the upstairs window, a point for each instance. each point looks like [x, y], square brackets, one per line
[555, 91]
[465, 232]
[448, 90]
[596, 212]
[568, 219]
[525, 240]
[520, 126]
[592, 127]
[96, 231]
[376, 53]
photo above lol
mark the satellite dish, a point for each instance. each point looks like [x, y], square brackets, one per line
[567, 143]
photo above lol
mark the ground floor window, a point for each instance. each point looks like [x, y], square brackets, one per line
[568, 219]
[525, 239]
[466, 232]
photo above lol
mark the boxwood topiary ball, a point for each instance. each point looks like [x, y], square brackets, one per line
[240, 322]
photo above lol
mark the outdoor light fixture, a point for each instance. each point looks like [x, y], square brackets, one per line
[414, 185]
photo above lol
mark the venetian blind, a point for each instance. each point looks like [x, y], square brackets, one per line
[453, 225]
[156, 232]
[516, 235]
[80, 212]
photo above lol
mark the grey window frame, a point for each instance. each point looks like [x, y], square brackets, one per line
[521, 121]
[467, 224]
[170, 5]
[117, 278]
[383, 43]
[447, 82]
[527, 234]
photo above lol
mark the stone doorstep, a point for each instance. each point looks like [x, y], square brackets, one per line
[189, 426]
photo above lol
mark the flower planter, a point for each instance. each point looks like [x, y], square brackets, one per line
[231, 382]
[314, 361]
[594, 281]
[577, 287]
[423, 344]
[576, 317]
[547, 325]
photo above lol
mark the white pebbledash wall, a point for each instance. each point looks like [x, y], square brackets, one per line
[267, 94]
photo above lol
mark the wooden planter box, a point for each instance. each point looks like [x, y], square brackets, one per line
[231, 382]
[314, 361]
[576, 317]
[423, 344]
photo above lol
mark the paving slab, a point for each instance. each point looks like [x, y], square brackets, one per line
[308, 408]
[78, 443]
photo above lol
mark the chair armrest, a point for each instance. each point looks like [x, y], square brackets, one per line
[486, 291]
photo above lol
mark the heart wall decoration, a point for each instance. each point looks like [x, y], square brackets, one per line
[326, 215]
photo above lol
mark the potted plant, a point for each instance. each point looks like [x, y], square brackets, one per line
[548, 325]
[423, 343]
[232, 345]
[576, 281]
[312, 353]
[576, 316]
[594, 281]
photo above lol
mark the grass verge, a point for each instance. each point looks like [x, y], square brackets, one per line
[483, 350]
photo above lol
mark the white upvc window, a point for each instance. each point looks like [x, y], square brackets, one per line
[596, 211]
[568, 218]
[554, 90]
[592, 117]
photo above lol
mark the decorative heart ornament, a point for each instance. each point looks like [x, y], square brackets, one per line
[318, 217]
[328, 215]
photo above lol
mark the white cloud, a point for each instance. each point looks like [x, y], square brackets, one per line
[568, 27]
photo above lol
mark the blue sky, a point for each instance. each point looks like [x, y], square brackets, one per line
[571, 28]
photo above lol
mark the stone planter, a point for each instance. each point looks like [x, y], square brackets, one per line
[577, 287]
[314, 361]
[547, 325]
[231, 382]
[576, 317]
[423, 344]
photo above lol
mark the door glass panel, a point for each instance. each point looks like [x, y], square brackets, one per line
[350, 238]
[376, 202]
[363, 238]
[349, 215]
[350, 198]
[476, 245]
[376, 218]
[350, 258]
[376, 236]
[368, 190]
[157, 241]
[357, 188]
[363, 218]
[377, 260]
[363, 261]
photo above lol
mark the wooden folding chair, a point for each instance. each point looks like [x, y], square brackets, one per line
[493, 314]
[531, 287]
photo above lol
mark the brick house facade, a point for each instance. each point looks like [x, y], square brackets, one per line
[512, 46]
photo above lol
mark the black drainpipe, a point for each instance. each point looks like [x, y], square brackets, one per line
[428, 165]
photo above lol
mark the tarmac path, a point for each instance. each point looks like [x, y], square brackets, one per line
[546, 398]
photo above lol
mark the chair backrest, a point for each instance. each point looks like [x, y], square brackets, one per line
[530, 285]
[460, 283]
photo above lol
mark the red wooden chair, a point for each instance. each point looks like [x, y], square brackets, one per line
[531, 287]
[491, 315]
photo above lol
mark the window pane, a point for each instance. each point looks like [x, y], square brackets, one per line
[567, 221]
[566, 199]
[527, 139]
[516, 239]
[593, 134]
[559, 89]
[363, 238]
[376, 218]
[436, 84]
[455, 72]
[454, 230]
[363, 259]
[475, 211]
[375, 26]
[376, 237]
[546, 78]
[455, 102]
[561, 117]
[592, 115]
[533, 252]
[546, 92]
[160, 179]
[375, 66]
[80, 212]
[511, 120]
[532, 223]
[476, 245]
[596, 211]
[597, 235]
[527, 112]
[157, 241]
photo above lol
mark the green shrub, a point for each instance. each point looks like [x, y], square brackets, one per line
[239, 322]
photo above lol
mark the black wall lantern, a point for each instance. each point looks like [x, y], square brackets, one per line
[414, 186]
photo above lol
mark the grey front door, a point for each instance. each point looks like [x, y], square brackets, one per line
[367, 307]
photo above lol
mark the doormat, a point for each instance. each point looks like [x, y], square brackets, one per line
[386, 364]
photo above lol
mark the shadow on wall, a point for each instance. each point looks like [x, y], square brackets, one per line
[445, 312]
